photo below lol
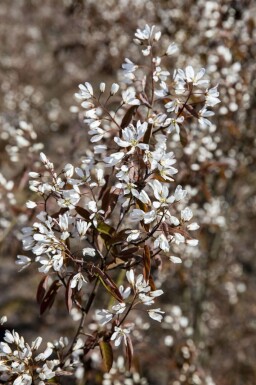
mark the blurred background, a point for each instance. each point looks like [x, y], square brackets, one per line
[49, 47]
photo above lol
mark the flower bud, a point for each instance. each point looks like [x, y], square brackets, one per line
[102, 87]
[114, 89]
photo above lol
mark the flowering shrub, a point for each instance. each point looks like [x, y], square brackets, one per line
[107, 224]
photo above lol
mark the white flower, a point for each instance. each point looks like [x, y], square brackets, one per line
[195, 78]
[114, 158]
[162, 243]
[160, 74]
[164, 90]
[114, 89]
[46, 161]
[31, 204]
[3, 320]
[132, 136]
[89, 251]
[129, 97]
[102, 87]
[92, 206]
[57, 262]
[23, 261]
[43, 356]
[134, 234]
[193, 226]
[24, 379]
[171, 49]
[203, 115]
[130, 277]
[186, 214]
[36, 344]
[156, 314]
[161, 193]
[63, 222]
[144, 34]
[33, 174]
[192, 242]
[68, 170]
[129, 67]
[104, 316]
[77, 281]
[82, 227]
[157, 35]
[190, 76]
[119, 308]
[124, 292]
[147, 50]
[140, 215]
[175, 259]
[69, 199]
[178, 238]
[173, 105]
[211, 97]
[179, 193]
[119, 335]
[142, 196]
[175, 125]
[86, 91]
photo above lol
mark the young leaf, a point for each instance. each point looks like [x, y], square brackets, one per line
[108, 283]
[50, 296]
[151, 283]
[41, 290]
[128, 116]
[109, 201]
[129, 351]
[183, 136]
[148, 133]
[83, 213]
[104, 228]
[107, 355]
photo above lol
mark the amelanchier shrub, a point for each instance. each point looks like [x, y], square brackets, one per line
[102, 227]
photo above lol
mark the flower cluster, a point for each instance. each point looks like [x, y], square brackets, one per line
[119, 208]
[22, 364]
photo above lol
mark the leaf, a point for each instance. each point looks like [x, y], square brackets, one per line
[83, 213]
[128, 116]
[68, 295]
[191, 110]
[62, 211]
[147, 262]
[157, 176]
[148, 133]
[50, 296]
[129, 351]
[183, 136]
[118, 238]
[108, 283]
[127, 252]
[109, 200]
[41, 290]
[151, 283]
[106, 229]
[107, 355]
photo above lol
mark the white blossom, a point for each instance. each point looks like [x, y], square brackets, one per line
[119, 335]
[156, 314]
[114, 89]
[131, 137]
[171, 49]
